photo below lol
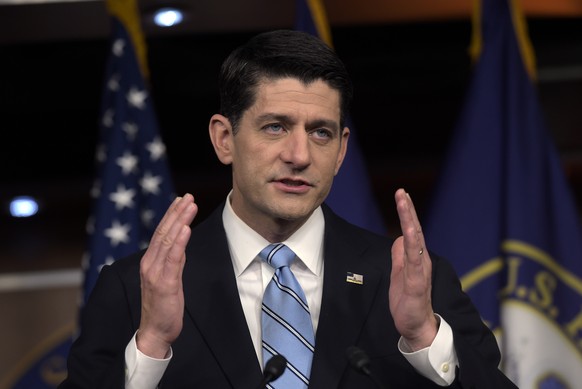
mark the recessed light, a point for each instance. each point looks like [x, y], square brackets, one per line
[23, 206]
[167, 17]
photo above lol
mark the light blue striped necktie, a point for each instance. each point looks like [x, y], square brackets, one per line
[286, 323]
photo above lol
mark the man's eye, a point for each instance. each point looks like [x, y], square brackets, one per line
[274, 128]
[322, 133]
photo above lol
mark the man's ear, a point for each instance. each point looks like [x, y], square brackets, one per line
[221, 135]
[343, 148]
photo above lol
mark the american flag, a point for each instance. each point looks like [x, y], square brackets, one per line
[133, 187]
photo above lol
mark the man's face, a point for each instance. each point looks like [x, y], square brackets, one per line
[287, 149]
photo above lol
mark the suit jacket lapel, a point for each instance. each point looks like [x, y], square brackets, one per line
[345, 305]
[213, 303]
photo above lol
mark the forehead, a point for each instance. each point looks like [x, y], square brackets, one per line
[293, 94]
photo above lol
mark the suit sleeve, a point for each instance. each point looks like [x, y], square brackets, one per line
[97, 357]
[475, 344]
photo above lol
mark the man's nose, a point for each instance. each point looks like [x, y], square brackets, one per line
[297, 149]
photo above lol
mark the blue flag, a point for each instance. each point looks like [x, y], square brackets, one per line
[351, 195]
[48, 366]
[504, 215]
[133, 186]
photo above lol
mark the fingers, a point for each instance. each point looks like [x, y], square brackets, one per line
[171, 236]
[161, 279]
[410, 280]
[414, 245]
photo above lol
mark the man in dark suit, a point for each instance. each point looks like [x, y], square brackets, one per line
[186, 312]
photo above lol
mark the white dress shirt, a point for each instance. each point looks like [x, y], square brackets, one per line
[436, 362]
[253, 275]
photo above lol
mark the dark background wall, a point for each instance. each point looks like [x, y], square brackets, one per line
[410, 79]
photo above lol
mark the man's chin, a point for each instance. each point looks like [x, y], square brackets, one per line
[293, 212]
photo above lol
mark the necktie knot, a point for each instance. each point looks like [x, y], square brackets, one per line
[277, 255]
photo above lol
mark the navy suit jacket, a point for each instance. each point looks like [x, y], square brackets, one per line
[215, 350]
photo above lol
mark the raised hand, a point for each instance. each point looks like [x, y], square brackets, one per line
[410, 279]
[162, 306]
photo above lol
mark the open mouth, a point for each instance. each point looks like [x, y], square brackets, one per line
[293, 186]
[293, 182]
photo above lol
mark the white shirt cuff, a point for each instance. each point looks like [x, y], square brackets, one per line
[141, 371]
[439, 361]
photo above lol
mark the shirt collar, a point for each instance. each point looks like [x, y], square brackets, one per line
[245, 244]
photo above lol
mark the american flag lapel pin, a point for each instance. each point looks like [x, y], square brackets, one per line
[355, 278]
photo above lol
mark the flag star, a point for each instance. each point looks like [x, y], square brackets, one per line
[136, 98]
[156, 148]
[130, 130]
[95, 191]
[108, 261]
[101, 155]
[118, 47]
[147, 217]
[118, 233]
[108, 118]
[123, 197]
[90, 225]
[85, 261]
[150, 184]
[113, 83]
[128, 163]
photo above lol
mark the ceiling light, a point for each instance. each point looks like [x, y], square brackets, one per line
[167, 17]
[23, 206]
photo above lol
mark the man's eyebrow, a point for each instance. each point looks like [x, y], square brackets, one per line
[286, 119]
[267, 117]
